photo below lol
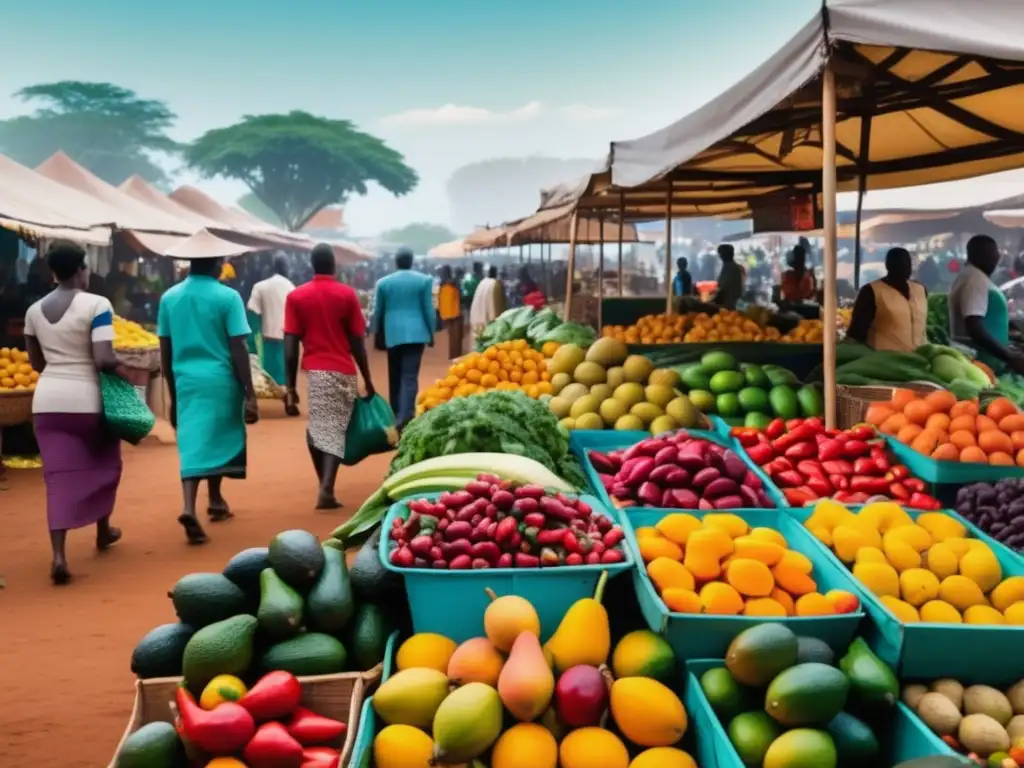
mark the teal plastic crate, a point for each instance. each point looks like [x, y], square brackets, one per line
[909, 738]
[948, 472]
[362, 750]
[581, 442]
[699, 636]
[930, 651]
[452, 603]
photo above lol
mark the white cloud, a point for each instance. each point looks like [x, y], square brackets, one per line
[456, 114]
[586, 113]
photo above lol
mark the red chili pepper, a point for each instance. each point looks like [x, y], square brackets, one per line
[815, 423]
[873, 486]
[914, 485]
[272, 746]
[570, 542]
[878, 451]
[855, 448]
[840, 482]
[793, 423]
[899, 472]
[833, 432]
[829, 450]
[862, 432]
[810, 468]
[276, 695]
[782, 464]
[760, 454]
[865, 466]
[803, 450]
[924, 501]
[320, 757]
[898, 492]
[220, 731]
[789, 479]
[775, 429]
[551, 537]
[837, 467]
[309, 729]
[820, 486]
[857, 498]
[841, 496]
[797, 497]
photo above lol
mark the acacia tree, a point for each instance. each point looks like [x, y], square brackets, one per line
[106, 128]
[298, 163]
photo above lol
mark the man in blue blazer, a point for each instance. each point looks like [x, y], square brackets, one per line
[404, 313]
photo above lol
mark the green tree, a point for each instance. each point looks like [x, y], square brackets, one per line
[252, 204]
[298, 163]
[421, 236]
[106, 128]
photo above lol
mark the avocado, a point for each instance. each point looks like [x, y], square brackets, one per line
[201, 599]
[871, 679]
[756, 655]
[724, 694]
[244, 569]
[783, 402]
[713, 362]
[855, 742]
[755, 376]
[754, 399]
[370, 579]
[813, 649]
[297, 557]
[367, 637]
[802, 748]
[155, 745]
[807, 694]
[779, 376]
[158, 653]
[222, 648]
[309, 654]
[695, 377]
[751, 733]
[811, 404]
[280, 612]
[728, 406]
[330, 604]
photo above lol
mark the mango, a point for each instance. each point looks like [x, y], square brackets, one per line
[402, 746]
[827, 515]
[913, 535]
[847, 540]
[885, 516]
[940, 612]
[584, 635]
[814, 604]
[592, 748]
[677, 527]
[870, 555]
[644, 653]
[425, 649]
[903, 611]
[682, 600]
[942, 560]
[960, 592]
[918, 586]
[1014, 614]
[1010, 591]
[647, 712]
[880, 578]
[941, 526]
[663, 757]
[475, 661]
[526, 684]
[466, 724]
[796, 561]
[751, 578]
[753, 548]
[981, 566]
[769, 535]
[720, 599]
[733, 525]
[983, 614]
[526, 745]
[667, 573]
[765, 606]
[899, 553]
[508, 616]
[411, 697]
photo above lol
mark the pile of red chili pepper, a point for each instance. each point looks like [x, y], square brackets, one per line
[267, 727]
[809, 462]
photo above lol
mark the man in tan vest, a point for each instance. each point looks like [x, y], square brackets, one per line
[891, 313]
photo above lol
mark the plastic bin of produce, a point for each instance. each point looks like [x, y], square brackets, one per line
[949, 472]
[362, 750]
[929, 650]
[702, 636]
[583, 441]
[452, 603]
[907, 739]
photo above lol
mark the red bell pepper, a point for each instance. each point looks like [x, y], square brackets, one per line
[275, 695]
[872, 486]
[829, 450]
[837, 467]
[220, 731]
[789, 479]
[315, 757]
[865, 466]
[797, 497]
[775, 429]
[862, 432]
[820, 486]
[801, 450]
[760, 454]
[856, 448]
[914, 485]
[898, 492]
[273, 747]
[310, 729]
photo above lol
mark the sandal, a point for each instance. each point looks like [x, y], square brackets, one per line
[60, 575]
[193, 530]
[112, 537]
[219, 514]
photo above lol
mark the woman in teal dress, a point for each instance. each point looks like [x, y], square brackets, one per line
[203, 332]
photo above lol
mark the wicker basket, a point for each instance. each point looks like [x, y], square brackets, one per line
[337, 696]
[144, 358]
[15, 408]
[853, 402]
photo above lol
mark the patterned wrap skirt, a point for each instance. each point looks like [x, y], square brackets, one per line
[332, 396]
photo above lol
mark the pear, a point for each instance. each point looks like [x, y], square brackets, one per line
[584, 635]
[526, 684]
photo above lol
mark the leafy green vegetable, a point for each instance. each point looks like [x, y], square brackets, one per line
[571, 333]
[498, 422]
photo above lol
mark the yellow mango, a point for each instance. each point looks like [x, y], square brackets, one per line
[821, 533]
[593, 748]
[712, 541]
[751, 578]
[652, 548]
[677, 527]
[918, 586]
[647, 712]
[960, 547]
[648, 532]
[941, 526]
[880, 578]
[1008, 592]
[917, 537]
[1015, 614]
[734, 525]
[903, 611]
[900, 555]
[942, 559]
[682, 600]
[960, 592]
[767, 552]
[828, 514]
[885, 516]
[847, 541]
[663, 757]
[767, 606]
[667, 573]
[983, 614]
[769, 534]
[982, 567]
[797, 561]
[940, 612]
[525, 745]
[872, 538]
[870, 555]
[425, 649]
[720, 599]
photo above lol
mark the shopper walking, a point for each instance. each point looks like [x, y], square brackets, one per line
[449, 306]
[324, 316]
[488, 302]
[404, 313]
[69, 335]
[203, 331]
[267, 304]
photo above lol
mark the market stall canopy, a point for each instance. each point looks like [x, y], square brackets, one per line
[927, 91]
[206, 206]
[36, 205]
[204, 245]
[555, 226]
[453, 249]
[486, 237]
[140, 189]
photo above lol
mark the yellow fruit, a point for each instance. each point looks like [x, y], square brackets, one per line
[846, 541]
[1010, 591]
[940, 612]
[425, 650]
[720, 599]
[677, 527]
[870, 555]
[981, 566]
[1015, 614]
[828, 514]
[402, 746]
[885, 516]
[526, 745]
[222, 688]
[918, 586]
[667, 573]
[880, 578]
[942, 559]
[767, 552]
[647, 713]
[765, 606]
[733, 525]
[983, 614]
[960, 592]
[960, 547]
[821, 533]
[797, 561]
[903, 611]
[592, 748]
[914, 535]
[900, 555]
[663, 757]
[225, 762]
[769, 534]
[682, 601]
[941, 526]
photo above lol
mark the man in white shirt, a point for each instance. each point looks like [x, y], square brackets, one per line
[267, 301]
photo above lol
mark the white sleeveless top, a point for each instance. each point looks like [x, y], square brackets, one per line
[69, 383]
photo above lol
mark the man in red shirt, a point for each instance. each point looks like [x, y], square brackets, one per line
[325, 316]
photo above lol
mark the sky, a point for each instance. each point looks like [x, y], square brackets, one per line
[445, 82]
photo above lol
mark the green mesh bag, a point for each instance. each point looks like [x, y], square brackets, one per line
[125, 413]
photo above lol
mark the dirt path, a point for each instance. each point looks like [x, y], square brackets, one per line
[68, 691]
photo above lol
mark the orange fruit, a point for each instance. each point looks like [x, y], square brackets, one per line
[1018, 439]
[878, 413]
[1020, 458]
[963, 439]
[964, 408]
[973, 455]
[947, 452]
[918, 411]
[938, 421]
[1000, 459]
[901, 398]
[985, 423]
[893, 424]
[926, 442]
[1000, 408]
[1012, 423]
[965, 422]
[941, 400]
[909, 433]
[993, 441]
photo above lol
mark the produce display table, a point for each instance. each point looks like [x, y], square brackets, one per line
[801, 359]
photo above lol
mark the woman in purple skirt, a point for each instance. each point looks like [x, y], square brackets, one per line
[69, 334]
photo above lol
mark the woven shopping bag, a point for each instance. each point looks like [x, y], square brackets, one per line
[126, 414]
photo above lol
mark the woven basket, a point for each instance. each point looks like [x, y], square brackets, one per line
[339, 697]
[852, 402]
[15, 408]
[145, 358]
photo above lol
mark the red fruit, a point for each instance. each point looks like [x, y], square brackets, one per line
[581, 696]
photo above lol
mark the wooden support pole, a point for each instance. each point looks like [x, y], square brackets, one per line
[570, 268]
[622, 224]
[668, 249]
[828, 206]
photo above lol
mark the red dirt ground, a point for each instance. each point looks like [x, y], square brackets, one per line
[68, 691]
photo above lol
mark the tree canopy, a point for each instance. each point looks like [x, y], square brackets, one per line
[106, 128]
[420, 236]
[298, 163]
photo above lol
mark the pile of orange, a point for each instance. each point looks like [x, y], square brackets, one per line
[944, 428]
[806, 332]
[510, 365]
[16, 374]
[727, 325]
